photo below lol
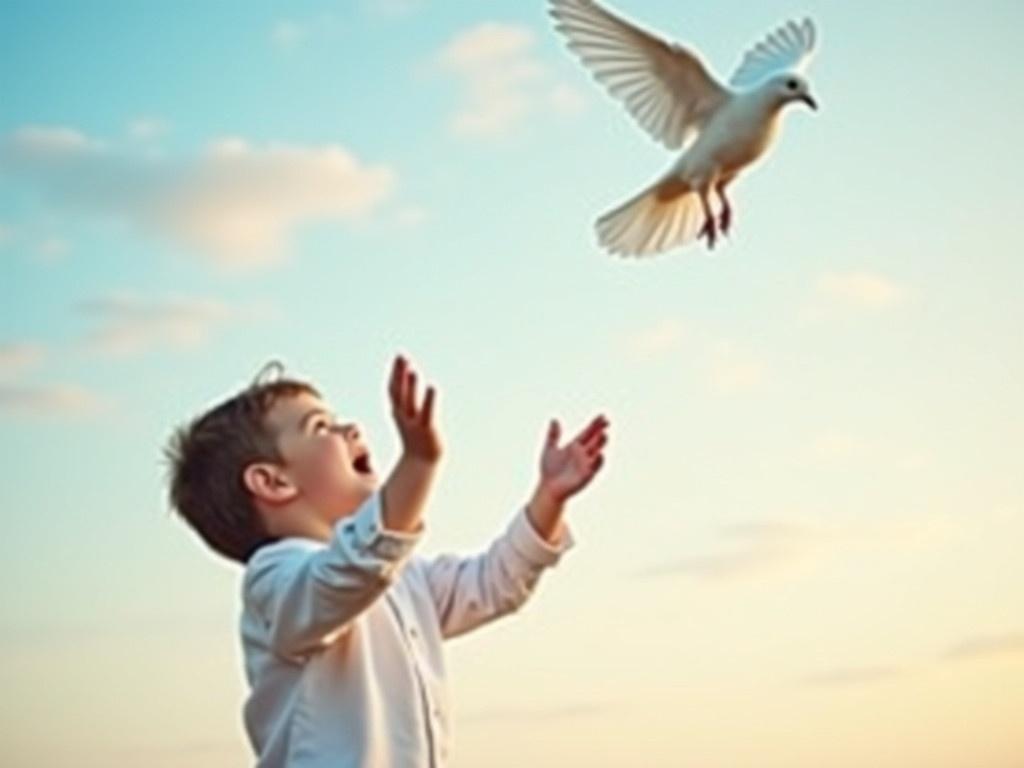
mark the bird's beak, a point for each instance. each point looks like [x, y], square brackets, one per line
[809, 101]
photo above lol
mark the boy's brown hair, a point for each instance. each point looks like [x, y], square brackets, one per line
[208, 454]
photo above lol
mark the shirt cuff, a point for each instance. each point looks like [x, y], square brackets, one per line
[534, 547]
[378, 540]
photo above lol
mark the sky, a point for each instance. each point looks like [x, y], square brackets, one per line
[803, 549]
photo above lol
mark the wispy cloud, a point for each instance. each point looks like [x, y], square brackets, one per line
[754, 549]
[392, 8]
[860, 289]
[1000, 646]
[18, 357]
[844, 677]
[656, 340]
[123, 324]
[734, 369]
[287, 33]
[147, 128]
[726, 367]
[20, 398]
[835, 445]
[128, 324]
[411, 216]
[52, 249]
[502, 79]
[206, 752]
[47, 400]
[544, 714]
[762, 549]
[986, 647]
[235, 203]
[51, 143]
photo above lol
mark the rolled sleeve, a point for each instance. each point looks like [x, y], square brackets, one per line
[470, 591]
[307, 592]
[375, 539]
[535, 548]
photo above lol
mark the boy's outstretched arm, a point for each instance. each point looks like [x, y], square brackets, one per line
[405, 491]
[469, 591]
[307, 594]
[564, 472]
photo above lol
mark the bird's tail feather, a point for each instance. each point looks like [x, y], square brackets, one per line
[664, 215]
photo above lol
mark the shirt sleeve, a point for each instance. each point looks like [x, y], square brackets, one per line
[307, 596]
[469, 591]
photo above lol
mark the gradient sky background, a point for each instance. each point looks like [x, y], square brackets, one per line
[805, 547]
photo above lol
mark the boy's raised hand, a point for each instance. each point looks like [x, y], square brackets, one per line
[419, 435]
[568, 469]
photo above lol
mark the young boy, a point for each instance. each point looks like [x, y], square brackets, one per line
[342, 624]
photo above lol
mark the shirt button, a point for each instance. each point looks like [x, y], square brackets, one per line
[413, 633]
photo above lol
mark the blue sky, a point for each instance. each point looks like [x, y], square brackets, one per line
[813, 488]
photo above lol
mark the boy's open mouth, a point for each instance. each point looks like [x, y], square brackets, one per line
[361, 464]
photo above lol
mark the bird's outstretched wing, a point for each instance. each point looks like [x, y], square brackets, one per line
[665, 87]
[788, 49]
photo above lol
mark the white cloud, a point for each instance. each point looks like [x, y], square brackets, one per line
[860, 289]
[236, 203]
[129, 324]
[242, 202]
[503, 81]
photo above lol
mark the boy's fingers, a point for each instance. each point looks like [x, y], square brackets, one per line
[397, 377]
[554, 430]
[596, 443]
[426, 414]
[593, 428]
[580, 454]
[410, 395]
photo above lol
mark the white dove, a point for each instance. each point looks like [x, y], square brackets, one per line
[671, 94]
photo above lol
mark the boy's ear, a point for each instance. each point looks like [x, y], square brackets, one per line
[267, 482]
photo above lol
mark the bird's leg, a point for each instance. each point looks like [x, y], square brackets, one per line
[725, 219]
[709, 229]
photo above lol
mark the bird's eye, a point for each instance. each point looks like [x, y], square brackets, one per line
[792, 85]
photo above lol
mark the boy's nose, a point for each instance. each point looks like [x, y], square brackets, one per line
[350, 431]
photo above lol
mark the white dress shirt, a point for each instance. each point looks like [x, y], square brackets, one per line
[342, 639]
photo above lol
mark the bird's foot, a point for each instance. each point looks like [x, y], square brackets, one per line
[725, 221]
[709, 231]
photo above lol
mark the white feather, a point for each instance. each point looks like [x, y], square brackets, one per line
[645, 224]
[787, 49]
[665, 87]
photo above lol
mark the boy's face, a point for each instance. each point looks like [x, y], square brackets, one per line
[327, 461]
